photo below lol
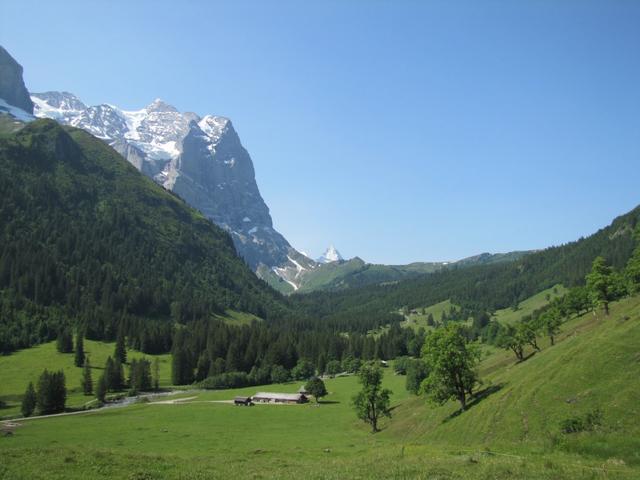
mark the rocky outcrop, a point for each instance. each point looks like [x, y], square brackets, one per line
[12, 88]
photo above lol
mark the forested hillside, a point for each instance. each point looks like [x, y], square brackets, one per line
[87, 241]
[481, 287]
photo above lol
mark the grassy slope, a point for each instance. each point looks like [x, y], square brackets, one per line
[233, 317]
[18, 369]
[419, 320]
[595, 364]
[528, 306]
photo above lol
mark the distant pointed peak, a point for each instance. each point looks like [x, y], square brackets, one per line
[330, 255]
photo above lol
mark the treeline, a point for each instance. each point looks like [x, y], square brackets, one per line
[227, 355]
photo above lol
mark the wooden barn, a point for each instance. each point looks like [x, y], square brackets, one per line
[269, 397]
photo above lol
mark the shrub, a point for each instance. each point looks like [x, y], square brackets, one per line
[587, 423]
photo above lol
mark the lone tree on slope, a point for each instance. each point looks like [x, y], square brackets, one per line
[451, 362]
[600, 284]
[317, 388]
[372, 402]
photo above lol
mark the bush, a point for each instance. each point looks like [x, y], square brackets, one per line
[587, 423]
[401, 365]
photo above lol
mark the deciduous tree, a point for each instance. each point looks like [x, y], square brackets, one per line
[599, 284]
[451, 361]
[316, 387]
[372, 402]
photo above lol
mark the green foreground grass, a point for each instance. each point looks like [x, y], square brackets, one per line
[511, 431]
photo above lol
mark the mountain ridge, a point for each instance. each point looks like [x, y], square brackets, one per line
[199, 158]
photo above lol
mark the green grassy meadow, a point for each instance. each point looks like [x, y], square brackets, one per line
[24, 366]
[233, 317]
[528, 306]
[511, 431]
[419, 318]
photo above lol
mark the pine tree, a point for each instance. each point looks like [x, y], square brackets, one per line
[101, 388]
[121, 350]
[51, 395]
[79, 356]
[64, 342]
[87, 381]
[29, 401]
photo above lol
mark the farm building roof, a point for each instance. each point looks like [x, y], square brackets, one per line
[279, 396]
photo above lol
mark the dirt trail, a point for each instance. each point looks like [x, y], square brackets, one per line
[14, 422]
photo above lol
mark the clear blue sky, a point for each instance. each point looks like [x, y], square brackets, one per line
[399, 130]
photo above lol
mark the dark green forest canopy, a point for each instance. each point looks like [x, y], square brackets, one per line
[85, 238]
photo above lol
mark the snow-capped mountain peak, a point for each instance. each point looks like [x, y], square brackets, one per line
[60, 106]
[159, 105]
[330, 255]
[213, 126]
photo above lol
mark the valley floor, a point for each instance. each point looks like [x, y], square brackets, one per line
[511, 431]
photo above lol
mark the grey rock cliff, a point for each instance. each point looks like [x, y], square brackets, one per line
[12, 89]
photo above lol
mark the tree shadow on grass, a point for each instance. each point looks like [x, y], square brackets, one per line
[476, 399]
[527, 357]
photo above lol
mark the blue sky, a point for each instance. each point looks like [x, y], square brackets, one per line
[399, 131]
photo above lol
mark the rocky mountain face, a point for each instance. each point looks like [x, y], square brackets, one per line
[12, 88]
[199, 158]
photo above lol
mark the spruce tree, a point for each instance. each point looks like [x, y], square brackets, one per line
[87, 381]
[121, 350]
[52, 393]
[64, 342]
[29, 401]
[101, 388]
[79, 356]
[114, 374]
